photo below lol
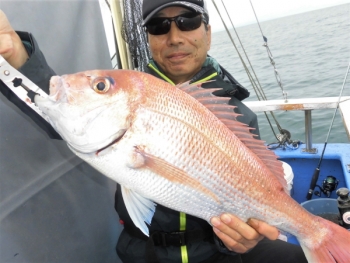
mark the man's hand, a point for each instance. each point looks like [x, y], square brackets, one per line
[239, 236]
[11, 46]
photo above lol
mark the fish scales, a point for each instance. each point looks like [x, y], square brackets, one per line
[189, 159]
[207, 134]
[163, 146]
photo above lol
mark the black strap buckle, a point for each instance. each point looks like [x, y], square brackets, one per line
[169, 239]
[181, 236]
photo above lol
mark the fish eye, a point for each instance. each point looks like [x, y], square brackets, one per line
[101, 85]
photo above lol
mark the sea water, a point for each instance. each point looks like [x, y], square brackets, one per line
[311, 51]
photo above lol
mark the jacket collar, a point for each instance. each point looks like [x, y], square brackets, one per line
[210, 69]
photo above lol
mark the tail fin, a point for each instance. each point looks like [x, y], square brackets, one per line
[335, 246]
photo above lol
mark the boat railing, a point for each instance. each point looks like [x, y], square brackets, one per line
[307, 105]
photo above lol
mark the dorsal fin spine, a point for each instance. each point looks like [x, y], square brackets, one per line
[241, 130]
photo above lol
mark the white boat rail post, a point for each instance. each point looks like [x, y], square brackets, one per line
[308, 133]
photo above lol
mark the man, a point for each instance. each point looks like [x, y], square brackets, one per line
[179, 37]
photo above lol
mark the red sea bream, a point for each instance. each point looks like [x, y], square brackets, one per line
[180, 146]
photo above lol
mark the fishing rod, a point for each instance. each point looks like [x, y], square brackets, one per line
[317, 170]
[284, 136]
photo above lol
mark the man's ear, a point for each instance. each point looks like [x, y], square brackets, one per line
[208, 37]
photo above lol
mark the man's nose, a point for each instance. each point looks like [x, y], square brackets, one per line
[175, 34]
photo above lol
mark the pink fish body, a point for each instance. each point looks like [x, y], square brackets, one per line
[184, 152]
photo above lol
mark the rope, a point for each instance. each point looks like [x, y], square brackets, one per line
[269, 53]
[284, 136]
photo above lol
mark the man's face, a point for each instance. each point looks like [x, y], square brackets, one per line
[180, 54]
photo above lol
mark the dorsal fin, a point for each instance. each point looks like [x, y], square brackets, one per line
[225, 113]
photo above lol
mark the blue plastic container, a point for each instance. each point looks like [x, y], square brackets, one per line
[324, 207]
[321, 206]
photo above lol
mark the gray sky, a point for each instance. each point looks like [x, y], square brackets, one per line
[241, 11]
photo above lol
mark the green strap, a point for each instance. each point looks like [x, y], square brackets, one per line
[206, 78]
[182, 221]
[184, 255]
[161, 74]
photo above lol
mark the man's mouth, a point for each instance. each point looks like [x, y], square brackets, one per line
[177, 56]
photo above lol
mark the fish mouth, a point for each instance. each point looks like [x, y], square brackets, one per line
[121, 132]
[96, 148]
[56, 88]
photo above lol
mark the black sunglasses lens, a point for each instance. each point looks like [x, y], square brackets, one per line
[188, 23]
[185, 22]
[158, 26]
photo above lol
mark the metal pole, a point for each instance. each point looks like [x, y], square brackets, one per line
[308, 133]
[308, 130]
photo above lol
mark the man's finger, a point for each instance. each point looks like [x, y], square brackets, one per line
[222, 229]
[264, 229]
[230, 243]
[234, 233]
[239, 226]
[6, 44]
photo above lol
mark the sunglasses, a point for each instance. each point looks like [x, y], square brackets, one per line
[185, 22]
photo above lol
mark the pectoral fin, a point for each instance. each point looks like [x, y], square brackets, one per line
[172, 173]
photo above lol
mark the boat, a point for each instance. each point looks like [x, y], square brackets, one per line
[329, 164]
[49, 195]
[315, 170]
